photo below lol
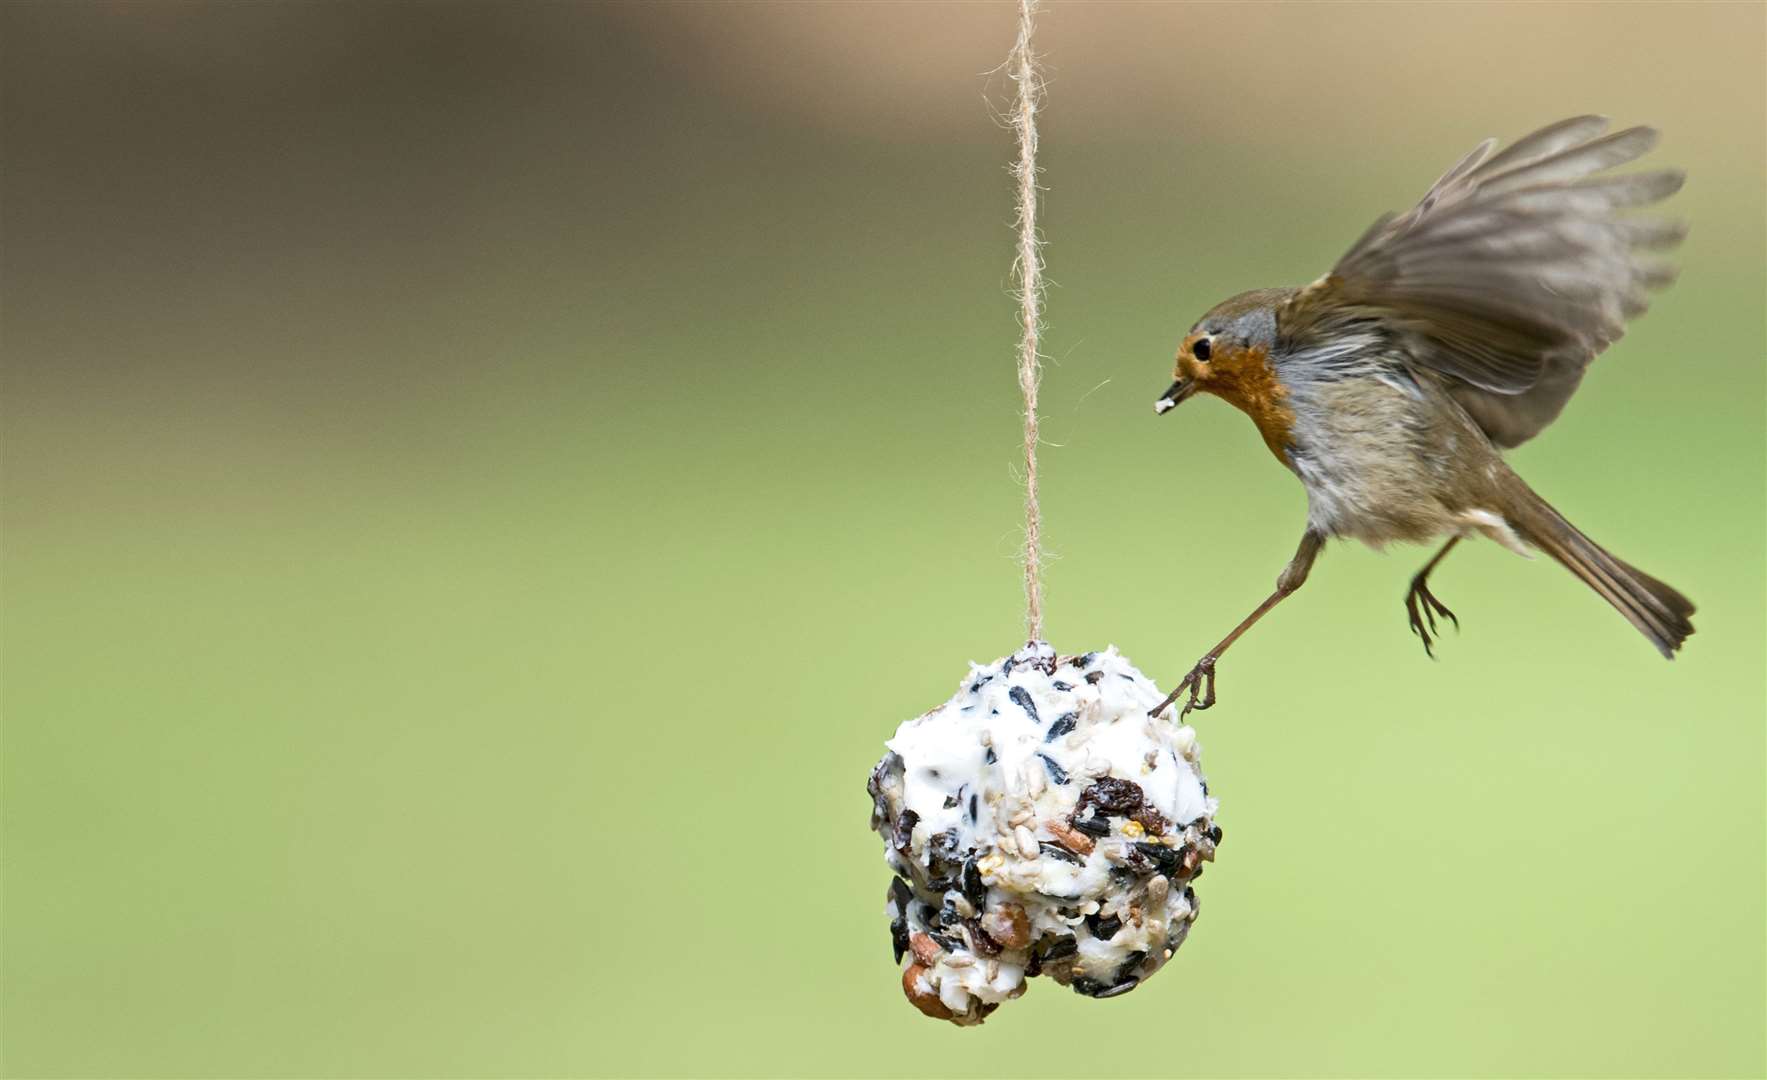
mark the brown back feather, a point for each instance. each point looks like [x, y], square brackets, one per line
[1512, 273]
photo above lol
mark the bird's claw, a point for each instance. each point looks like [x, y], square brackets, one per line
[1422, 607]
[1201, 684]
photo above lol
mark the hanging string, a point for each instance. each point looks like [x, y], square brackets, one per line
[1028, 271]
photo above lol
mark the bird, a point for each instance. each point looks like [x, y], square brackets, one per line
[1392, 385]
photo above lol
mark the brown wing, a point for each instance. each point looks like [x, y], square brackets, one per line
[1512, 273]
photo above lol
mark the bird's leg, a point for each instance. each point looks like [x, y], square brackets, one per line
[1201, 680]
[1422, 606]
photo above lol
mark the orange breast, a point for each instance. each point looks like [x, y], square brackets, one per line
[1245, 379]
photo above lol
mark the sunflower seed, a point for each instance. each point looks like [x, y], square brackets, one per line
[1063, 724]
[1060, 947]
[1091, 826]
[975, 890]
[1126, 970]
[1059, 852]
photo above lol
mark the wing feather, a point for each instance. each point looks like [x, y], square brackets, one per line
[1513, 272]
[1548, 140]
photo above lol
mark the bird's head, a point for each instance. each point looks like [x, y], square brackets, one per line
[1229, 353]
[1227, 349]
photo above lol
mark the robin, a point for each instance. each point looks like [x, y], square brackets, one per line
[1392, 385]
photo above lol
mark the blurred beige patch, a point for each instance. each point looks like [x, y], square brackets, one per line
[1304, 72]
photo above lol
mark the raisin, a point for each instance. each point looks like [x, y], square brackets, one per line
[1113, 796]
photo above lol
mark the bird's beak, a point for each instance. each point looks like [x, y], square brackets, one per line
[1175, 395]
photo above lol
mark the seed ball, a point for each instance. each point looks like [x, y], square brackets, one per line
[1040, 823]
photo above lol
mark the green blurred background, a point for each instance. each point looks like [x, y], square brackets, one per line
[482, 481]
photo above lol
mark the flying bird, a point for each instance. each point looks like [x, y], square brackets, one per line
[1447, 334]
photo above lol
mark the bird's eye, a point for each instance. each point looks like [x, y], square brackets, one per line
[1201, 349]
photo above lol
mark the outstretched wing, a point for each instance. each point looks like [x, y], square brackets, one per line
[1512, 273]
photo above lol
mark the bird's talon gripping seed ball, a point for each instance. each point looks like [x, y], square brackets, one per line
[1040, 823]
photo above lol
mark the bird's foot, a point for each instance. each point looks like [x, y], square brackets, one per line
[1201, 684]
[1422, 607]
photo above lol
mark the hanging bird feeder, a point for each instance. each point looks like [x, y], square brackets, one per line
[1051, 817]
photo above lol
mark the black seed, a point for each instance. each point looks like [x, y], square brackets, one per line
[1215, 834]
[1092, 826]
[1130, 963]
[987, 759]
[1163, 857]
[1205, 787]
[976, 687]
[943, 942]
[904, 830]
[1098, 989]
[1125, 675]
[1056, 772]
[929, 915]
[1094, 677]
[1084, 660]
[1059, 685]
[900, 897]
[975, 890]
[1104, 928]
[1060, 947]
[1022, 698]
[1190, 896]
[1033, 966]
[1118, 990]
[1058, 852]
[951, 800]
[972, 808]
[1006, 668]
[1063, 724]
[1122, 877]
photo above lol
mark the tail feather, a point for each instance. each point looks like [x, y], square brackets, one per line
[1659, 611]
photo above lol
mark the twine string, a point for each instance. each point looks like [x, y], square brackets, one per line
[1028, 271]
